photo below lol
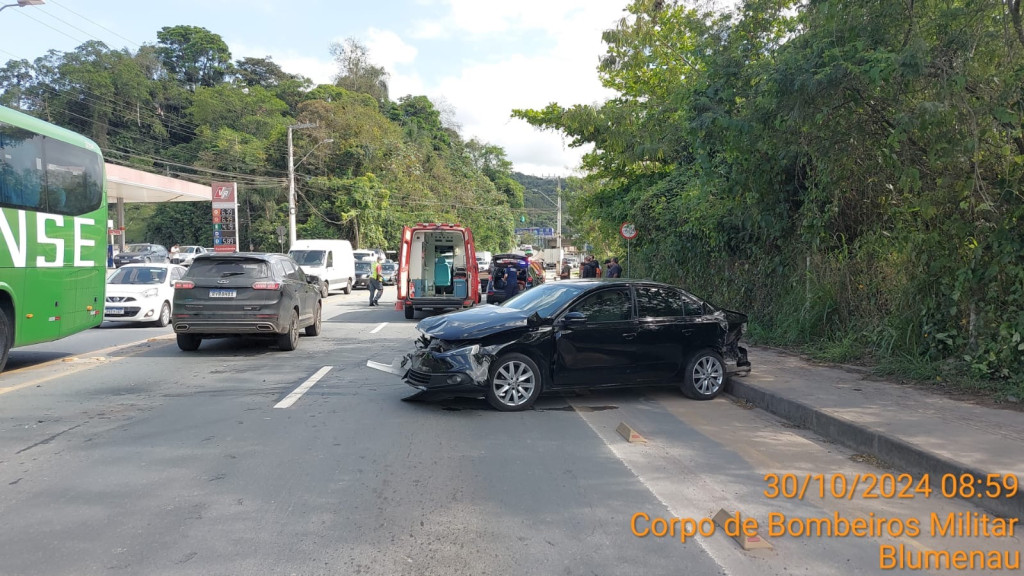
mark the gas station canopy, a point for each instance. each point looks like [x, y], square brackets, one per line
[130, 185]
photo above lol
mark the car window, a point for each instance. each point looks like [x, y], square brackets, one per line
[692, 306]
[546, 299]
[138, 275]
[224, 268]
[292, 271]
[330, 259]
[363, 266]
[657, 302]
[606, 306]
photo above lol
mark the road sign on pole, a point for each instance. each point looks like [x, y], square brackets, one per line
[628, 231]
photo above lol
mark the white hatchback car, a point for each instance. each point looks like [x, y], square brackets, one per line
[142, 293]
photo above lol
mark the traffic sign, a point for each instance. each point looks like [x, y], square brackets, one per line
[628, 231]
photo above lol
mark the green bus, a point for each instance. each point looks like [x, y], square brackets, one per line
[53, 232]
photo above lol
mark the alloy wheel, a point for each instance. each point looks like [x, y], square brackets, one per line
[708, 375]
[514, 383]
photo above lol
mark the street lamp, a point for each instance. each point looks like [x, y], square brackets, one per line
[291, 179]
[23, 3]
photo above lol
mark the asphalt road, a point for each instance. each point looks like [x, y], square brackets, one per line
[147, 460]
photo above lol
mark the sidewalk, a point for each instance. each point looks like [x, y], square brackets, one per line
[910, 429]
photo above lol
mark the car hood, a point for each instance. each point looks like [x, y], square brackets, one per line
[129, 289]
[474, 323]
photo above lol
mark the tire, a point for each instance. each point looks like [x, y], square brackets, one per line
[325, 289]
[189, 342]
[165, 315]
[314, 328]
[6, 339]
[704, 377]
[410, 313]
[290, 339]
[348, 287]
[514, 383]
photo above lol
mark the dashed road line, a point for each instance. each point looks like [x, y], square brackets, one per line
[298, 392]
[378, 328]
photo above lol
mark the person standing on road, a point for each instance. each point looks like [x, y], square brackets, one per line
[376, 282]
[614, 270]
[566, 270]
[589, 268]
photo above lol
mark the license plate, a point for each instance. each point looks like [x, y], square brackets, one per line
[222, 293]
[117, 311]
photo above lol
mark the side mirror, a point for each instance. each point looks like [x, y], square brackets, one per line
[573, 319]
[312, 279]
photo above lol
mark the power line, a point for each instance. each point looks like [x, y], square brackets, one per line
[55, 3]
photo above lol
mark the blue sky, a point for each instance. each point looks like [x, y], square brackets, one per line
[476, 58]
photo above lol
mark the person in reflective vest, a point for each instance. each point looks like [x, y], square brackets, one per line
[376, 282]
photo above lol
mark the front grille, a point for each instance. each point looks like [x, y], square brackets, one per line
[117, 299]
[421, 378]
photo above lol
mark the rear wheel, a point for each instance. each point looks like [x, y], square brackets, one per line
[410, 313]
[6, 339]
[189, 342]
[290, 339]
[705, 375]
[348, 287]
[515, 383]
[165, 315]
[314, 328]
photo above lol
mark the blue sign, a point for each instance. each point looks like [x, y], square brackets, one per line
[537, 232]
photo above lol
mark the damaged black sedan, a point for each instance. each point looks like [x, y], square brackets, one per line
[594, 333]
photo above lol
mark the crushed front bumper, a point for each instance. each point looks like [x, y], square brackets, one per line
[455, 372]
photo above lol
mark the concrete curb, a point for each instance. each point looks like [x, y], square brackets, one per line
[893, 451]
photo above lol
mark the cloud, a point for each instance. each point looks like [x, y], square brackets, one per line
[387, 49]
[485, 93]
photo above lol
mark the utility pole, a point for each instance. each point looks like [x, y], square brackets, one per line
[291, 183]
[558, 231]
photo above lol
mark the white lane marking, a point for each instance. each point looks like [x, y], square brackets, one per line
[379, 326]
[298, 392]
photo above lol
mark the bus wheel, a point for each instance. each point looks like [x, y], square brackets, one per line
[5, 339]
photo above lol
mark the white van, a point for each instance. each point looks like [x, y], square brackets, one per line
[329, 260]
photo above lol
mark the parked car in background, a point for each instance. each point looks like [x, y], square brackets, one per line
[389, 273]
[186, 254]
[142, 253]
[579, 334]
[141, 293]
[246, 294]
[362, 274]
[511, 274]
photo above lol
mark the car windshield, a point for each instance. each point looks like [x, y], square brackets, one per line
[389, 267]
[545, 299]
[362, 255]
[190, 249]
[222, 268]
[308, 257]
[138, 275]
[137, 248]
[363, 266]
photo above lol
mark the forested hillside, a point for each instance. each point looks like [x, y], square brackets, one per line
[182, 107]
[849, 173]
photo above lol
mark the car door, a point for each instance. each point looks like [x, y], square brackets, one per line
[600, 349]
[665, 328]
[303, 292]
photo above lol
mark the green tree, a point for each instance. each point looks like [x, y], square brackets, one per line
[193, 55]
